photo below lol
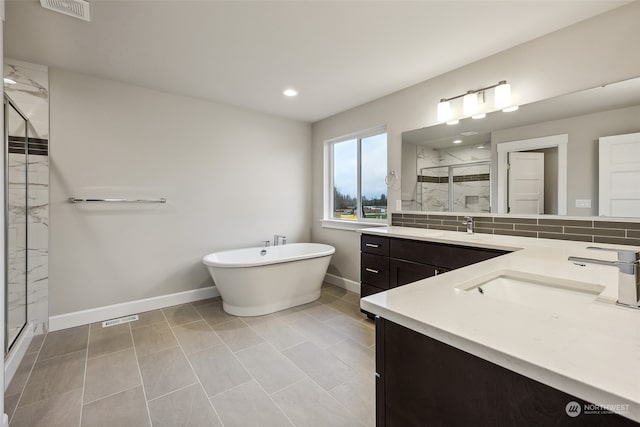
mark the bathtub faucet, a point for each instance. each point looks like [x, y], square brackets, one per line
[277, 238]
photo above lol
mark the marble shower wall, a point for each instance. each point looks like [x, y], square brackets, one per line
[471, 184]
[31, 94]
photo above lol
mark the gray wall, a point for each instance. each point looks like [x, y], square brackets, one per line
[590, 53]
[582, 149]
[232, 178]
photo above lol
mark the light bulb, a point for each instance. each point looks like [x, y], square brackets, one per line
[290, 92]
[444, 111]
[453, 122]
[470, 104]
[503, 95]
[510, 109]
[479, 116]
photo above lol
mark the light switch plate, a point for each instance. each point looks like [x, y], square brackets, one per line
[583, 203]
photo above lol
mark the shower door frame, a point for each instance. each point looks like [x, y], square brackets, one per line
[450, 189]
[7, 100]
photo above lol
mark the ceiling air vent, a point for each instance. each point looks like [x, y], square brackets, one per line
[76, 8]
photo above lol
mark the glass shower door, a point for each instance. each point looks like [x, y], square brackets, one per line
[433, 189]
[16, 164]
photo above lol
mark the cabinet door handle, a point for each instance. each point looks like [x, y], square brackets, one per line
[371, 270]
[371, 245]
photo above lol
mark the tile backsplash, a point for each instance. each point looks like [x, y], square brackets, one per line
[587, 230]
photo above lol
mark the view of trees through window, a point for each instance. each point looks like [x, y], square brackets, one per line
[371, 194]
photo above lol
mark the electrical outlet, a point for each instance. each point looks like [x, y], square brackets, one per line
[583, 203]
[398, 205]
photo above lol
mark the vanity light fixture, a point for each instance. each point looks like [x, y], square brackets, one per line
[470, 103]
[8, 81]
[290, 92]
[444, 111]
[502, 96]
[472, 99]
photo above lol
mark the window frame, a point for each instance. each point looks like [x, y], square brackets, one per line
[328, 183]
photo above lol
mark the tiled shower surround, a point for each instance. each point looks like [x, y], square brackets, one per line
[587, 230]
[31, 94]
[471, 182]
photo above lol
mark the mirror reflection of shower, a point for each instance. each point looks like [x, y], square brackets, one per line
[465, 187]
[454, 178]
[16, 213]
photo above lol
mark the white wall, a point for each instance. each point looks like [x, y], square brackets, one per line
[599, 50]
[232, 178]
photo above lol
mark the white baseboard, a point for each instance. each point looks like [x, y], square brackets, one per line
[84, 317]
[341, 282]
[13, 359]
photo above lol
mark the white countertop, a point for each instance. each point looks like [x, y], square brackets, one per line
[590, 350]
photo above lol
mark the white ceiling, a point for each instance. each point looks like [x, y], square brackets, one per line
[336, 54]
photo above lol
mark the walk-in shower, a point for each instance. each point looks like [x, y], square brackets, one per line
[464, 187]
[16, 151]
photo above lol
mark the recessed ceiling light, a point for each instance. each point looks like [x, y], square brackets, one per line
[469, 133]
[457, 141]
[290, 92]
[9, 81]
[453, 122]
[480, 147]
[510, 109]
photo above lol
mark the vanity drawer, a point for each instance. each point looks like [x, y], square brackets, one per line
[374, 270]
[374, 245]
[441, 255]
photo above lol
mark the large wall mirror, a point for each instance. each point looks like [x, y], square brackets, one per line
[576, 154]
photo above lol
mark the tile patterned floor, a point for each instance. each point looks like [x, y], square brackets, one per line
[194, 365]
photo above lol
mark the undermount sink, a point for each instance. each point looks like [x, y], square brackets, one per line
[532, 290]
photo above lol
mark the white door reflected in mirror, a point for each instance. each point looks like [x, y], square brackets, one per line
[526, 183]
[619, 175]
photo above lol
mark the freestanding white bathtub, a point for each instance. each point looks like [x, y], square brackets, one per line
[257, 281]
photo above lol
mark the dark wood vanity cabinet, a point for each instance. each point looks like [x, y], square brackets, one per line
[421, 381]
[388, 262]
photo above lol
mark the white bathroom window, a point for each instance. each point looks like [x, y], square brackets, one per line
[355, 171]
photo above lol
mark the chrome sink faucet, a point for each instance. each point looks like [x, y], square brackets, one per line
[468, 221]
[628, 273]
[277, 238]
